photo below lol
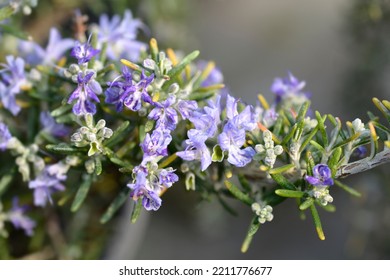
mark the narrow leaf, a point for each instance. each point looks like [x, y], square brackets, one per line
[253, 228]
[321, 127]
[136, 211]
[347, 189]
[81, 193]
[308, 139]
[182, 64]
[168, 161]
[334, 160]
[153, 49]
[114, 159]
[328, 207]
[289, 135]
[5, 181]
[118, 134]
[346, 141]
[306, 204]
[282, 181]
[317, 146]
[281, 169]
[310, 163]
[383, 108]
[303, 110]
[317, 222]
[289, 193]
[226, 206]
[61, 110]
[115, 205]
[98, 166]
[244, 183]
[235, 191]
[6, 28]
[64, 148]
[201, 96]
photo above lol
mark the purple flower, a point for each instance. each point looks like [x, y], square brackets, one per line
[49, 181]
[186, 108]
[83, 52]
[120, 36]
[19, 220]
[141, 188]
[5, 136]
[167, 177]
[196, 149]
[246, 119]
[85, 93]
[233, 135]
[232, 139]
[164, 114]
[322, 176]
[206, 121]
[13, 80]
[129, 93]
[50, 126]
[288, 87]
[360, 152]
[56, 47]
[156, 144]
[290, 84]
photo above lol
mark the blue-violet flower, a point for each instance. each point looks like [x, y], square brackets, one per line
[17, 217]
[5, 136]
[86, 92]
[322, 176]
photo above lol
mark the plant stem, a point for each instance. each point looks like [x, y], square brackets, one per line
[364, 164]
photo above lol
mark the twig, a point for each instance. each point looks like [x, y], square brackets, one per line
[363, 164]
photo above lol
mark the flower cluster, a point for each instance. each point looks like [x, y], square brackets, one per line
[321, 180]
[268, 151]
[92, 135]
[126, 92]
[264, 213]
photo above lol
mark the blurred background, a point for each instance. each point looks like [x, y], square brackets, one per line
[341, 48]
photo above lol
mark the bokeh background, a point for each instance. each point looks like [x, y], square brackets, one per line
[341, 48]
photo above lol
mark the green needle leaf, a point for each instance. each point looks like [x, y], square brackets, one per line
[347, 189]
[115, 205]
[235, 191]
[6, 180]
[64, 148]
[317, 222]
[281, 169]
[118, 134]
[81, 194]
[253, 228]
[136, 211]
[282, 181]
[306, 204]
[321, 127]
[334, 160]
[289, 193]
[182, 64]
